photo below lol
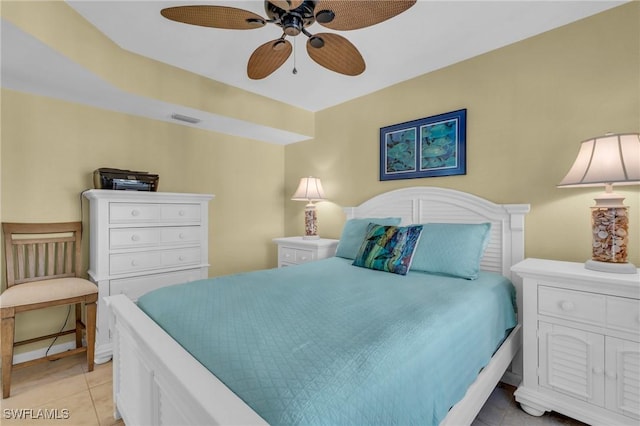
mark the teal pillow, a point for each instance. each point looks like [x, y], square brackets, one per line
[354, 231]
[388, 248]
[452, 249]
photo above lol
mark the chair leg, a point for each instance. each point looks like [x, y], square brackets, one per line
[7, 334]
[91, 333]
[78, 325]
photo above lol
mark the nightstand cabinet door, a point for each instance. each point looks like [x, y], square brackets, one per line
[623, 376]
[572, 362]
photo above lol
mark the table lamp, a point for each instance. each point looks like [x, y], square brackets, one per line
[309, 190]
[608, 160]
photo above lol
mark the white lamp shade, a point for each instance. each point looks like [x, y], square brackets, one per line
[309, 189]
[608, 159]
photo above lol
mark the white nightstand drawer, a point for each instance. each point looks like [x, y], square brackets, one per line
[296, 255]
[122, 238]
[297, 250]
[573, 305]
[623, 314]
[133, 212]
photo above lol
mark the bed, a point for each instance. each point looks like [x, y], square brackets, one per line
[157, 381]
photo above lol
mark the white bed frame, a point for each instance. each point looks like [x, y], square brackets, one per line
[156, 382]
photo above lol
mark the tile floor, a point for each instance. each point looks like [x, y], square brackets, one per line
[66, 385]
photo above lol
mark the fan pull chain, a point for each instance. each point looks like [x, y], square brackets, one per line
[295, 71]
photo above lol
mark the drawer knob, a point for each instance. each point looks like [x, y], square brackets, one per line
[303, 258]
[181, 236]
[567, 306]
[181, 213]
[135, 212]
[134, 263]
[180, 258]
[135, 237]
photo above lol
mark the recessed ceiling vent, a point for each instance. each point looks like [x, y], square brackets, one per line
[185, 118]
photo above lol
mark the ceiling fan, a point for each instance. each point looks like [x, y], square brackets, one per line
[329, 50]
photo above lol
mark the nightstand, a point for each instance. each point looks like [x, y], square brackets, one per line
[581, 343]
[297, 250]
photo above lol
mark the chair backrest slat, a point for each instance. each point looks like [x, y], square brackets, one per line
[69, 256]
[41, 259]
[41, 251]
[21, 262]
[51, 266]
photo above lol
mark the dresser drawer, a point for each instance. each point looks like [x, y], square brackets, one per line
[623, 314]
[153, 213]
[132, 262]
[180, 235]
[122, 263]
[122, 238]
[187, 256]
[572, 305]
[133, 212]
[137, 286]
[294, 255]
[180, 213]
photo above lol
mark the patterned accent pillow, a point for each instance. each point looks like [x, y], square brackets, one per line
[388, 248]
[354, 231]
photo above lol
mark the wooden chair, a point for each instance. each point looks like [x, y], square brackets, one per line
[43, 269]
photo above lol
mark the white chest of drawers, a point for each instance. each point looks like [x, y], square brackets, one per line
[140, 241]
[581, 342]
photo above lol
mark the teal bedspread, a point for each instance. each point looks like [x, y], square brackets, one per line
[330, 343]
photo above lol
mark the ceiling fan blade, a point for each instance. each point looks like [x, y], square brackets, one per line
[345, 15]
[229, 18]
[286, 4]
[336, 53]
[268, 58]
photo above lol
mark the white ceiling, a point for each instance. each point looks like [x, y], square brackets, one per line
[431, 35]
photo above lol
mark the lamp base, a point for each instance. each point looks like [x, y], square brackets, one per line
[615, 268]
[311, 237]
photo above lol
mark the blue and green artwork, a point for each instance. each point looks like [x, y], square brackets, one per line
[427, 147]
[400, 148]
[438, 145]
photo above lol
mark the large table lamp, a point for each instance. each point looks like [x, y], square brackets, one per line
[612, 159]
[309, 190]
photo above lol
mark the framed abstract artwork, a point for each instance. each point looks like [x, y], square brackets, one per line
[428, 147]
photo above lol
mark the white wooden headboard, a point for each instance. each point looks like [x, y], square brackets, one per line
[425, 204]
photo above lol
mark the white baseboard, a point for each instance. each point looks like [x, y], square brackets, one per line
[39, 353]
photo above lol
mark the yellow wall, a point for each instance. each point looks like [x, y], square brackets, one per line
[50, 149]
[529, 106]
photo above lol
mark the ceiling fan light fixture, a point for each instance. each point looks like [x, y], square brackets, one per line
[292, 24]
[325, 16]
